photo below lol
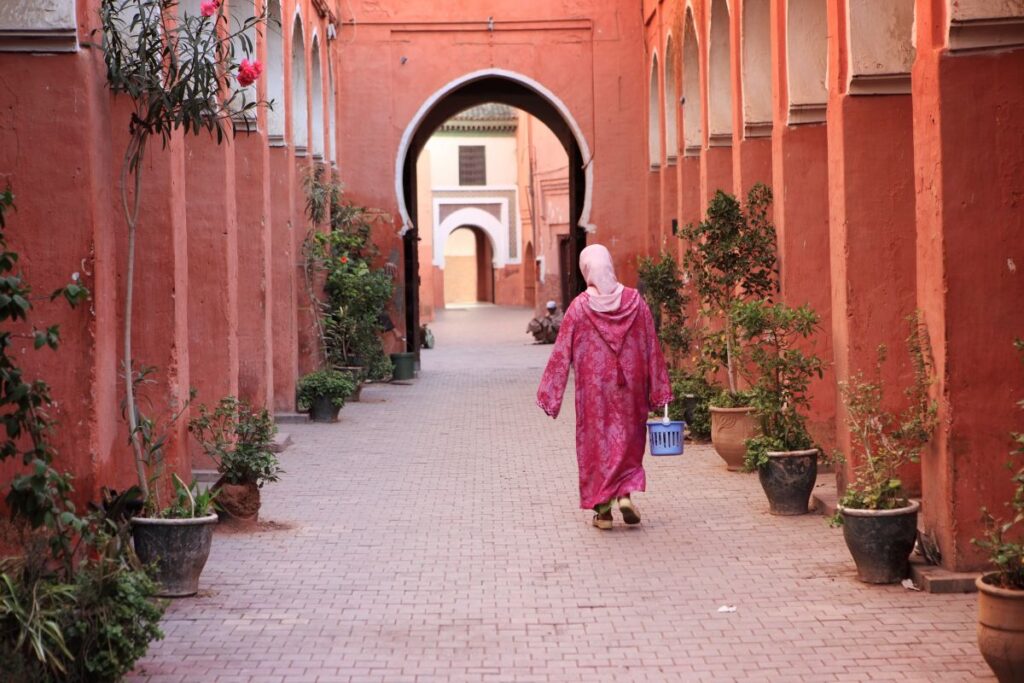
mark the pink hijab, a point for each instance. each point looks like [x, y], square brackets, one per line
[604, 291]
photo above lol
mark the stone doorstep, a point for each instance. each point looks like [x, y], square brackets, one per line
[291, 418]
[929, 578]
[932, 579]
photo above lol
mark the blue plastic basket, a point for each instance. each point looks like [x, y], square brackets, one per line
[666, 439]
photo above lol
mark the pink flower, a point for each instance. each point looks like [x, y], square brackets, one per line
[248, 72]
[344, 259]
[209, 7]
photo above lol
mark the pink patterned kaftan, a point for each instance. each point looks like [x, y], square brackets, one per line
[620, 378]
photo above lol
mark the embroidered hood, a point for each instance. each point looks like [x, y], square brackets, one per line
[614, 326]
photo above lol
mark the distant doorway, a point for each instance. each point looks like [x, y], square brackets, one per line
[468, 267]
[530, 276]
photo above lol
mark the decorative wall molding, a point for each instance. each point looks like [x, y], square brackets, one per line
[880, 84]
[38, 26]
[804, 114]
[757, 129]
[720, 140]
[986, 34]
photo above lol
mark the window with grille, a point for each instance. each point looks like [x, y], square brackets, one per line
[472, 165]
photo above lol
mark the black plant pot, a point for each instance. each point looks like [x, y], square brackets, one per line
[324, 410]
[788, 480]
[178, 547]
[881, 541]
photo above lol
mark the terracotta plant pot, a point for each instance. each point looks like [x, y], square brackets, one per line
[730, 429]
[788, 480]
[881, 541]
[178, 547]
[238, 505]
[324, 410]
[1001, 629]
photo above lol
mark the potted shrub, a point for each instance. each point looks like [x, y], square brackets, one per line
[784, 455]
[339, 262]
[323, 394]
[239, 439]
[730, 257]
[1001, 592]
[879, 521]
[176, 540]
[662, 288]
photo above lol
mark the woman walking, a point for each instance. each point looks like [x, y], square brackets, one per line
[608, 337]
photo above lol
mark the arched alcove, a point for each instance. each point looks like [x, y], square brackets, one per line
[653, 117]
[244, 47]
[671, 103]
[693, 133]
[317, 83]
[332, 106]
[300, 105]
[807, 60]
[720, 77]
[757, 68]
[275, 75]
[880, 46]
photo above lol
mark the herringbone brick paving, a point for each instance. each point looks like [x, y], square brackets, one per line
[434, 534]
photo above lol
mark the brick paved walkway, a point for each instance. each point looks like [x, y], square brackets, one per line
[435, 535]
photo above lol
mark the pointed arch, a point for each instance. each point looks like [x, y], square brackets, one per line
[756, 81]
[693, 132]
[275, 75]
[654, 116]
[720, 76]
[332, 106]
[807, 60]
[881, 47]
[671, 102]
[317, 107]
[300, 104]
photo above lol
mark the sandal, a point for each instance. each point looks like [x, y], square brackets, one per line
[630, 515]
[603, 520]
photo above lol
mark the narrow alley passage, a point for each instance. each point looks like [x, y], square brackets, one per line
[434, 534]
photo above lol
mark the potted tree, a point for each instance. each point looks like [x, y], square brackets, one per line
[239, 439]
[729, 257]
[1001, 592]
[784, 455]
[180, 73]
[323, 394]
[879, 521]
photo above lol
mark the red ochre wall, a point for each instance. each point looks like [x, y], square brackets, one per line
[896, 202]
[969, 164]
[398, 55]
[893, 203]
[215, 275]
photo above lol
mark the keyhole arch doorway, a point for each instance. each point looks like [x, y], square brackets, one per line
[475, 88]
